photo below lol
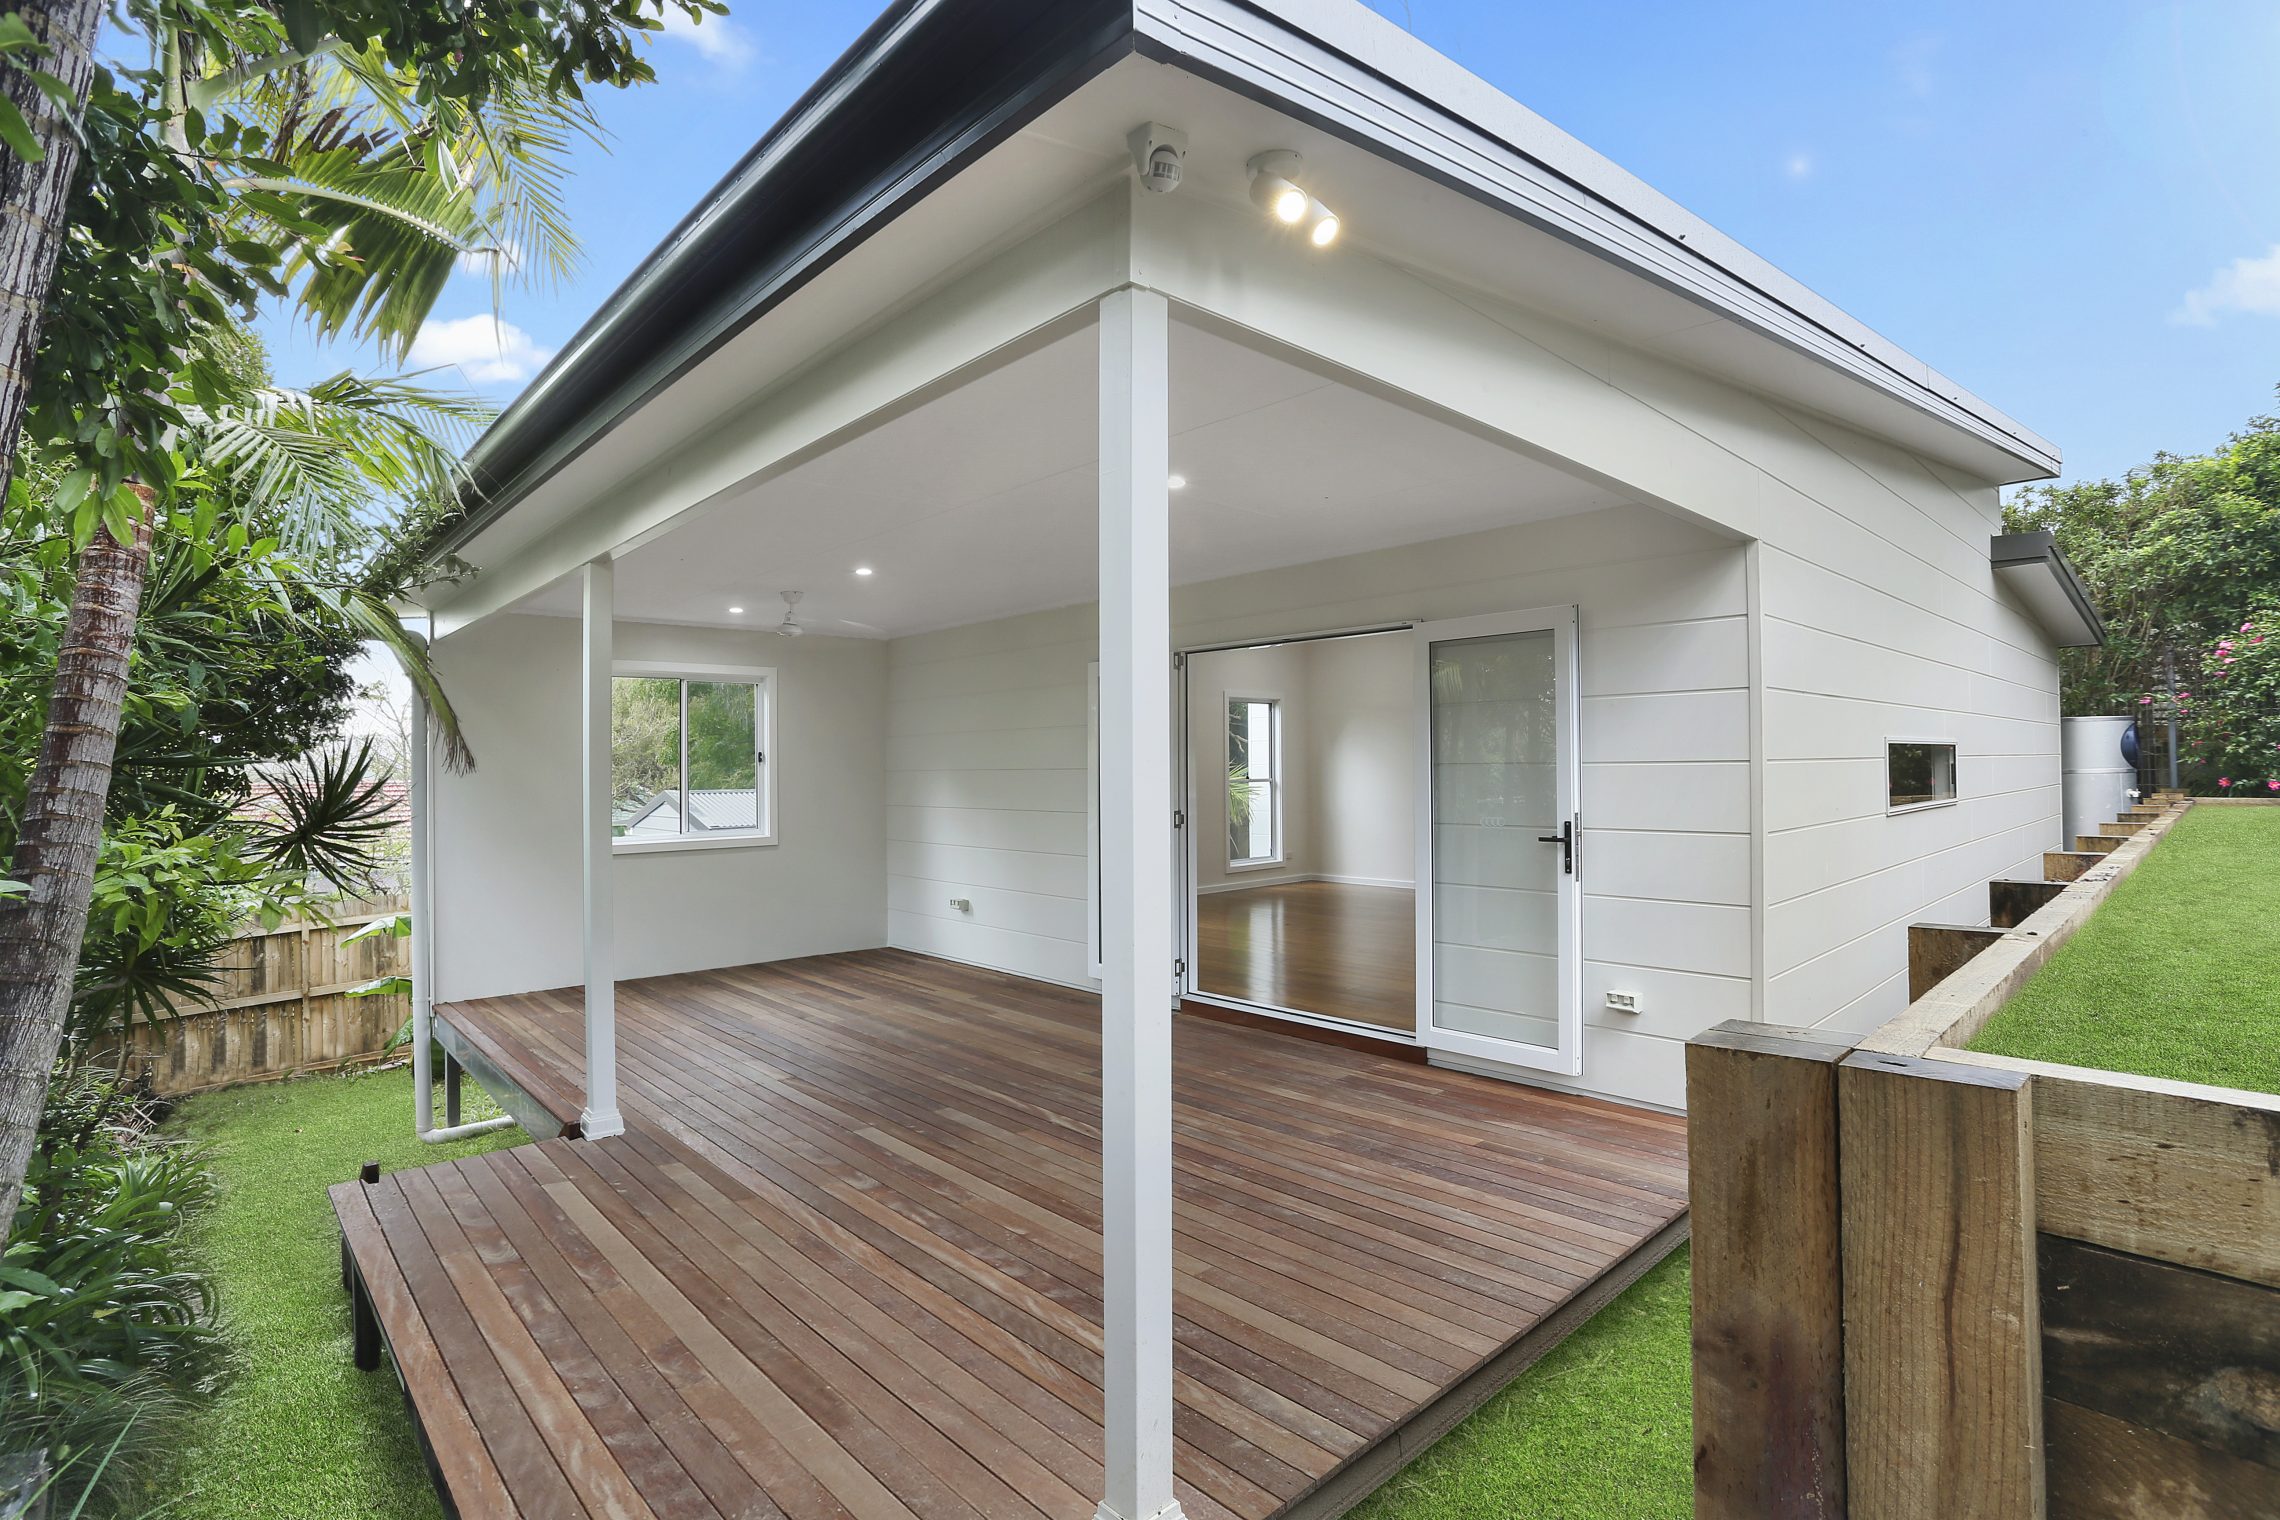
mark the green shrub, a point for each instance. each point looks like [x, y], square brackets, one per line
[107, 1335]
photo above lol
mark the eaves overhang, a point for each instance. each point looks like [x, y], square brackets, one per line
[935, 84]
[2034, 569]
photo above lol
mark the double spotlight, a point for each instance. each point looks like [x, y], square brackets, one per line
[1276, 191]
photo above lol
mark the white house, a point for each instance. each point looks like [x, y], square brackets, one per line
[1084, 365]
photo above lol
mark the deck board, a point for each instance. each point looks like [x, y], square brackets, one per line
[845, 1260]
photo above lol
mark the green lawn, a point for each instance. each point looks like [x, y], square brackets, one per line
[300, 1434]
[1598, 1430]
[2178, 972]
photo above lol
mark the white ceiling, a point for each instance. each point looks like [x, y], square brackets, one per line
[979, 503]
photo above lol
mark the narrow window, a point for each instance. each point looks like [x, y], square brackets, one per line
[689, 759]
[1254, 781]
[1918, 773]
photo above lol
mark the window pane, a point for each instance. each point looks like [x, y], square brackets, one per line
[1250, 780]
[724, 773]
[1919, 773]
[645, 757]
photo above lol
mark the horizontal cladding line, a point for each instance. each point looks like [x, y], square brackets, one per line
[1027, 728]
[1931, 612]
[1870, 817]
[960, 882]
[1661, 691]
[964, 922]
[1876, 757]
[1611, 828]
[1913, 914]
[1736, 978]
[982, 807]
[1686, 902]
[991, 849]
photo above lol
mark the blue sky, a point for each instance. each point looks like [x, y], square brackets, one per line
[2070, 207]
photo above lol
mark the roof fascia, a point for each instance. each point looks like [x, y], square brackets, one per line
[926, 91]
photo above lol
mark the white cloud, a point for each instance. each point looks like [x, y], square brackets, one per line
[1798, 165]
[718, 38]
[486, 350]
[2250, 285]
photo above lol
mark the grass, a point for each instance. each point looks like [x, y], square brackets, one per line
[300, 1434]
[2178, 972]
[1600, 1429]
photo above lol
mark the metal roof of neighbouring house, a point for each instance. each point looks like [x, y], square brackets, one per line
[933, 85]
[710, 812]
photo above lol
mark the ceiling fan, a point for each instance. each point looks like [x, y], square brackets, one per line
[791, 627]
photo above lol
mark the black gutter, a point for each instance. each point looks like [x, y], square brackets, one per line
[2039, 546]
[929, 88]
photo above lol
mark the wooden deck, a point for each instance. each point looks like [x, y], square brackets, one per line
[845, 1261]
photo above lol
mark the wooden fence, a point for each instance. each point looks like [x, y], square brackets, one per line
[283, 1006]
[1934, 1283]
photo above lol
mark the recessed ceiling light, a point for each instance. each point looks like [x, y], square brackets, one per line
[736, 611]
[1176, 482]
[862, 569]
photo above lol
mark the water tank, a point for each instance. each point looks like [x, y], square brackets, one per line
[2098, 767]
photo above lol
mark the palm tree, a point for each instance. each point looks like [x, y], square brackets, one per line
[380, 186]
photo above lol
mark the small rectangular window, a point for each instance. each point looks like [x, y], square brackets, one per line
[1918, 773]
[1254, 781]
[689, 758]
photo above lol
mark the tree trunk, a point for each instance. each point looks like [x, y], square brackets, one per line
[33, 195]
[40, 931]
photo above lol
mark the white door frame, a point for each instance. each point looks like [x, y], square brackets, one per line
[1565, 1057]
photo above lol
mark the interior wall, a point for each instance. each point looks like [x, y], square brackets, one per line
[1362, 742]
[987, 733]
[507, 833]
[1279, 671]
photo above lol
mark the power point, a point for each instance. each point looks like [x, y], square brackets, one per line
[1623, 1002]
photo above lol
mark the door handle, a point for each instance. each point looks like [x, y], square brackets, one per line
[1565, 839]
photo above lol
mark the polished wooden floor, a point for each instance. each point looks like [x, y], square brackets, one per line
[846, 1259]
[1323, 947]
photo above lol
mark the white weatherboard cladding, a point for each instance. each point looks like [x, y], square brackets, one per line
[989, 721]
[507, 836]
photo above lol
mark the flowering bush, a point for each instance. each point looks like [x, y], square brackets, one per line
[2231, 717]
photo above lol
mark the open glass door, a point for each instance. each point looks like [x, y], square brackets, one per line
[1498, 955]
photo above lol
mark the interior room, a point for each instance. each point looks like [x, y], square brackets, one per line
[1302, 770]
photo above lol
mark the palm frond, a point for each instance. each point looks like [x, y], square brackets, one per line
[379, 624]
[319, 456]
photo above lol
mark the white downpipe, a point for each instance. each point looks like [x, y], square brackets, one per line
[423, 947]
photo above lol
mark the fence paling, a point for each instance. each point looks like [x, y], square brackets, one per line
[282, 1006]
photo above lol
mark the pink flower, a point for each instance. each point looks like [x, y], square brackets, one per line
[2224, 781]
[2145, 701]
[2272, 786]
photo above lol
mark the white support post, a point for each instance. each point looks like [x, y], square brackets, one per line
[601, 1114]
[1136, 898]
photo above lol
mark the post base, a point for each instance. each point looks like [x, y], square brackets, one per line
[601, 1126]
[1171, 1511]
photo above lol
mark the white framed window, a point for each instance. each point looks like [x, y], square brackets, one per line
[691, 762]
[1918, 773]
[1254, 782]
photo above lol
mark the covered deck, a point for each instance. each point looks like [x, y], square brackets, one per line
[846, 1257]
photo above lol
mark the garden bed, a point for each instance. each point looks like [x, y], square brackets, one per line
[2177, 973]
